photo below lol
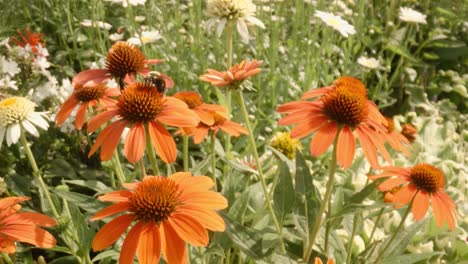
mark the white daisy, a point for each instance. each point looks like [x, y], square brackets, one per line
[410, 15]
[369, 63]
[9, 66]
[17, 113]
[238, 12]
[7, 83]
[125, 3]
[336, 22]
[100, 24]
[116, 37]
[146, 37]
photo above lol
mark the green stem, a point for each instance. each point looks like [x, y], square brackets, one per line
[141, 163]
[376, 223]
[118, 168]
[261, 177]
[229, 40]
[213, 161]
[351, 238]
[326, 199]
[37, 173]
[400, 226]
[185, 152]
[6, 258]
[327, 227]
[151, 154]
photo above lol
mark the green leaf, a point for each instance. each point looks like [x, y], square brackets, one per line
[410, 258]
[365, 192]
[88, 203]
[60, 168]
[402, 52]
[93, 185]
[283, 195]
[215, 250]
[106, 254]
[65, 260]
[403, 238]
[282, 157]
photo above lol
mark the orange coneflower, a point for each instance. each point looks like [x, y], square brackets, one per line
[22, 226]
[200, 132]
[32, 39]
[141, 106]
[395, 139]
[319, 261]
[87, 95]
[123, 62]
[424, 183]
[195, 102]
[167, 211]
[341, 108]
[234, 76]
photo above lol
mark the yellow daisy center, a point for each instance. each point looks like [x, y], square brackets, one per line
[124, 58]
[154, 199]
[88, 93]
[192, 99]
[285, 144]
[427, 177]
[14, 110]
[345, 107]
[140, 102]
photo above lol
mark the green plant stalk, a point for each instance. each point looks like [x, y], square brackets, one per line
[327, 227]
[118, 168]
[185, 152]
[37, 173]
[213, 161]
[5, 258]
[351, 238]
[151, 154]
[379, 216]
[400, 226]
[141, 164]
[229, 40]
[73, 232]
[261, 177]
[326, 199]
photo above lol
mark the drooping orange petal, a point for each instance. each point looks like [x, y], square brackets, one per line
[308, 126]
[404, 195]
[379, 142]
[149, 246]
[116, 196]
[189, 229]
[111, 140]
[233, 128]
[391, 183]
[438, 211]
[9, 201]
[111, 232]
[296, 117]
[66, 109]
[208, 218]
[30, 234]
[30, 218]
[199, 134]
[100, 119]
[316, 92]
[346, 147]
[91, 77]
[162, 142]
[205, 116]
[184, 117]
[110, 210]
[420, 205]
[323, 138]
[173, 246]
[368, 147]
[130, 244]
[135, 143]
[80, 118]
[448, 208]
[209, 200]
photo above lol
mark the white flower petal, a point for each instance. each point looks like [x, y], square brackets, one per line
[243, 31]
[255, 21]
[38, 120]
[13, 134]
[220, 28]
[30, 128]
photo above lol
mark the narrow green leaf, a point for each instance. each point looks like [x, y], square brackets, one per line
[402, 52]
[93, 185]
[410, 258]
[106, 254]
[283, 195]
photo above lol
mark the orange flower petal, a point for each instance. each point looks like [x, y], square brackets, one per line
[80, 118]
[196, 184]
[112, 139]
[316, 92]
[297, 117]
[162, 142]
[346, 147]
[404, 195]
[180, 177]
[208, 218]
[205, 116]
[130, 244]
[232, 128]
[323, 138]
[135, 143]
[317, 260]
[391, 183]
[110, 210]
[31, 218]
[30, 234]
[420, 205]
[438, 211]
[116, 196]
[91, 77]
[111, 232]
[199, 134]
[296, 106]
[149, 244]
[66, 109]
[189, 229]
[368, 147]
[100, 119]
[208, 200]
[184, 117]
[449, 209]
[9, 201]
[7, 246]
[173, 246]
[307, 127]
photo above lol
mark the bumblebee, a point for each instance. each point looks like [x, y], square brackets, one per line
[156, 79]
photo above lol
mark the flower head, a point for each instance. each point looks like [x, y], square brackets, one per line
[341, 108]
[145, 109]
[195, 103]
[167, 212]
[146, 37]
[22, 226]
[87, 95]
[123, 62]
[422, 184]
[238, 12]
[319, 261]
[408, 130]
[17, 113]
[94, 23]
[233, 77]
[283, 142]
[125, 3]
[32, 39]
[410, 15]
[336, 22]
[369, 63]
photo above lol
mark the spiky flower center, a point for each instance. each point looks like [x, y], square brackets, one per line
[427, 177]
[192, 99]
[154, 199]
[140, 102]
[124, 58]
[88, 93]
[352, 84]
[13, 110]
[345, 106]
[283, 142]
[230, 9]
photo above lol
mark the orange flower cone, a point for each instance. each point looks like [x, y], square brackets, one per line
[234, 76]
[140, 106]
[166, 213]
[85, 96]
[22, 226]
[341, 106]
[424, 183]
